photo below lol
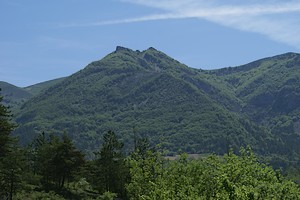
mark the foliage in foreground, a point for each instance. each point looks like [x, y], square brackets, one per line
[228, 177]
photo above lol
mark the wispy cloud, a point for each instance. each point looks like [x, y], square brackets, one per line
[272, 18]
[128, 20]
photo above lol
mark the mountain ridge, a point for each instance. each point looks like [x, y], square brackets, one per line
[182, 108]
[143, 85]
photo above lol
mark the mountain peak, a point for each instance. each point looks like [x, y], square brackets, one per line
[120, 48]
[151, 49]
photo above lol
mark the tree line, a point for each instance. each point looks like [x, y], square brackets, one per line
[51, 167]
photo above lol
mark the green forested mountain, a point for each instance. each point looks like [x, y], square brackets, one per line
[146, 92]
[182, 108]
[269, 90]
[38, 88]
[266, 87]
[13, 95]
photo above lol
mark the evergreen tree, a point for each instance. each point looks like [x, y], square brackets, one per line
[110, 170]
[67, 161]
[56, 160]
[10, 156]
[11, 172]
[6, 127]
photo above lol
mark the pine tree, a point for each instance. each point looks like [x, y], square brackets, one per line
[110, 169]
[56, 160]
[10, 155]
[67, 161]
[6, 128]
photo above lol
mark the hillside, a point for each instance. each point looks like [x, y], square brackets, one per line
[13, 96]
[181, 108]
[145, 92]
[267, 87]
[270, 92]
[39, 87]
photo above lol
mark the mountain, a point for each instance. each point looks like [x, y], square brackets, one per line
[145, 92]
[270, 91]
[13, 96]
[39, 87]
[181, 108]
[267, 87]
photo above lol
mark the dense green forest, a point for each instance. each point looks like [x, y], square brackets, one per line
[51, 167]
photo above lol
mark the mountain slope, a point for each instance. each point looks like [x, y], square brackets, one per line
[148, 92]
[13, 95]
[39, 87]
[265, 84]
[182, 109]
[270, 93]
[267, 87]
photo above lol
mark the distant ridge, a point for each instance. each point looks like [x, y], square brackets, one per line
[13, 95]
[254, 64]
[39, 87]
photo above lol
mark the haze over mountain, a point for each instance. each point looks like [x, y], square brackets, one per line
[183, 109]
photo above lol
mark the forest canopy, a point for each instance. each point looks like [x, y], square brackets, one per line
[51, 167]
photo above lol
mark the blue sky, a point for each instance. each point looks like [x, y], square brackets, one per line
[43, 40]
